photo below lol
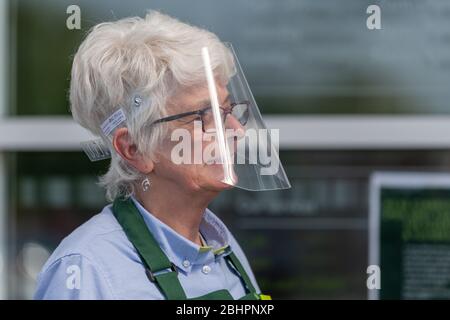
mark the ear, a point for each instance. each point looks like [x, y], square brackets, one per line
[124, 146]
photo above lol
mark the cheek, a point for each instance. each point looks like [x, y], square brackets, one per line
[180, 174]
[194, 177]
[203, 169]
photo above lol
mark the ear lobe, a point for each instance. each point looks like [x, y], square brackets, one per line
[128, 151]
[149, 165]
[143, 165]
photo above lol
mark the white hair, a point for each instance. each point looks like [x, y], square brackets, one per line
[153, 57]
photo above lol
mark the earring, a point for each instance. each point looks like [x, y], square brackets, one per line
[145, 184]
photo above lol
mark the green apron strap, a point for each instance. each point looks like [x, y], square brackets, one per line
[237, 264]
[251, 296]
[216, 295]
[158, 267]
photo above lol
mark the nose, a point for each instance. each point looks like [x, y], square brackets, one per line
[232, 123]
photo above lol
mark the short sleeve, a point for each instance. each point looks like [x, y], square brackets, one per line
[73, 277]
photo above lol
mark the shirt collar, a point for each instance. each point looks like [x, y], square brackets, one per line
[181, 251]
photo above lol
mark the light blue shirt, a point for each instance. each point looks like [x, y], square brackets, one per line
[97, 261]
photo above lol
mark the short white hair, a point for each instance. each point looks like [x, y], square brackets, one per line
[152, 56]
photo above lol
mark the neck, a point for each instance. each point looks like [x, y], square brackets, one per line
[182, 211]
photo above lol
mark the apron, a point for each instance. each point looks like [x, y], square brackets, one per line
[159, 269]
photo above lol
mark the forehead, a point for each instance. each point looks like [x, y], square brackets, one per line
[196, 97]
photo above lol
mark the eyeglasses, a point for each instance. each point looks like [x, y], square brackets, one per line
[239, 111]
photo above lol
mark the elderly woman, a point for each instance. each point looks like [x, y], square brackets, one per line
[134, 83]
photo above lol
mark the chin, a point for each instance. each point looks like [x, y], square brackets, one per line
[216, 186]
[226, 186]
[211, 178]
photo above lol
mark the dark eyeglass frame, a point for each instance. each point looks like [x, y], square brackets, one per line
[202, 112]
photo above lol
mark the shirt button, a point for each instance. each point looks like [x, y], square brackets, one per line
[206, 269]
[186, 263]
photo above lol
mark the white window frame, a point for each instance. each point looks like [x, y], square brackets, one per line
[3, 169]
[309, 132]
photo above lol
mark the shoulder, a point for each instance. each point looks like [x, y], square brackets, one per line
[79, 268]
[91, 238]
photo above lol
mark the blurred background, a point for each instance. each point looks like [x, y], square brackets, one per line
[349, 102]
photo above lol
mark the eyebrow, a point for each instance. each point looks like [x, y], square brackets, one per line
[208, 101]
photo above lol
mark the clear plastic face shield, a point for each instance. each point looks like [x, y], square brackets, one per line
[216, 130]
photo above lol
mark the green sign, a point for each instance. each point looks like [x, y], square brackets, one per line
[413, 239]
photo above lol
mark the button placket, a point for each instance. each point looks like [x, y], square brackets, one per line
[186, 263]
[206, 269]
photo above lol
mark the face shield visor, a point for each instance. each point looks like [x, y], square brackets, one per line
[216, 129]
